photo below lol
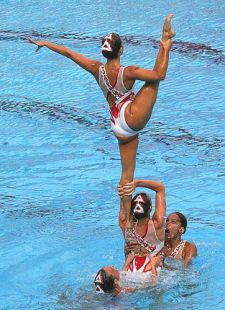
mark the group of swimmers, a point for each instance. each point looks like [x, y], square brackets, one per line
[151, 242]
[147, 240]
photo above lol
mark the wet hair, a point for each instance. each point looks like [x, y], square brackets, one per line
[107, 281]
[115, 44]
[183, 220]
[146, 199]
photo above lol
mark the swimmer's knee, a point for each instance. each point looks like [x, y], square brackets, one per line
[126, 140]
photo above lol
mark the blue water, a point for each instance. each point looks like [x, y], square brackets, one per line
[59, 163]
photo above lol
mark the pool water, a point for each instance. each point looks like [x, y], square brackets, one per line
[59, 162]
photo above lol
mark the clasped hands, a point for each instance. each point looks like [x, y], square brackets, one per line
[126, 189]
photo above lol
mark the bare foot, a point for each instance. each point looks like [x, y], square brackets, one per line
[168, 31]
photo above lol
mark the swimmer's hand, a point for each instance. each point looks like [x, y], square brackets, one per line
[120, 190]
[39, 44]
[126, 190]
[128, 261]
[155, 262]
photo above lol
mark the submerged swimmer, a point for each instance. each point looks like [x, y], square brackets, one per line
[129, 112]
[109, 280]
[141, 270]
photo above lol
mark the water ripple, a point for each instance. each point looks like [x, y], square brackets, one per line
[52, 111]
[189, 49]
[170, 137]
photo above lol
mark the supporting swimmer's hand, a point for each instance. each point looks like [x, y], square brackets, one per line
[126, 190]
[155, 262]
[129, 188]
[120, 190]
[39, 44]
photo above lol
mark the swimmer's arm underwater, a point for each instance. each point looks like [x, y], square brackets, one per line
[87, 64]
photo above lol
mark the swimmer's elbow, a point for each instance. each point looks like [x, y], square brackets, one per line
[161, 76]
[160, 187]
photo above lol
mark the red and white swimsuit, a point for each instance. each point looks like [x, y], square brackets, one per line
[138, 274]
[178, 251]
[123, 98]
[149, 241]
[140, 264]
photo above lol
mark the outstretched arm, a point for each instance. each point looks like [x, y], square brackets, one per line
[159, 71]
[87, 64]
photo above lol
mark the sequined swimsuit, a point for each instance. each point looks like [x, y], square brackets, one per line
[123, 98]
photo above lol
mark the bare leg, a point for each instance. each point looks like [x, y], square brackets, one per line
[138, 112]
[128, 152]
[167, 33]
[137, 115]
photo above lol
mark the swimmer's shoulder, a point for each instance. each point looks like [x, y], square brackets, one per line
[190, 249]
[129, 72]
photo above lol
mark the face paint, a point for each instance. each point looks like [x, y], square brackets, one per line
[138, 207]
[106, 45]
[98, 282]
[98, 289]
[98, 278]
[140, 210]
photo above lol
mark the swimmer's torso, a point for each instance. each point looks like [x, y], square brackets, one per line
[118, 98]
[118, 89]
[149, 243]
[178, 252]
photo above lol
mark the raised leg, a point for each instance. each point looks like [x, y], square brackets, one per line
[138, 112]
[128, 152]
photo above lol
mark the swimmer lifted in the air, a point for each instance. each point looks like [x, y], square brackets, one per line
[129, 112]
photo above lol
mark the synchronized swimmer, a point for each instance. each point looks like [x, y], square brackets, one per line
[129, 112]
[145, 247]
[155, 243]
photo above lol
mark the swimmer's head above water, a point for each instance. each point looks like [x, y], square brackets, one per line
[106, 280]
[176, 225]
[112, 46]
[141, 206]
